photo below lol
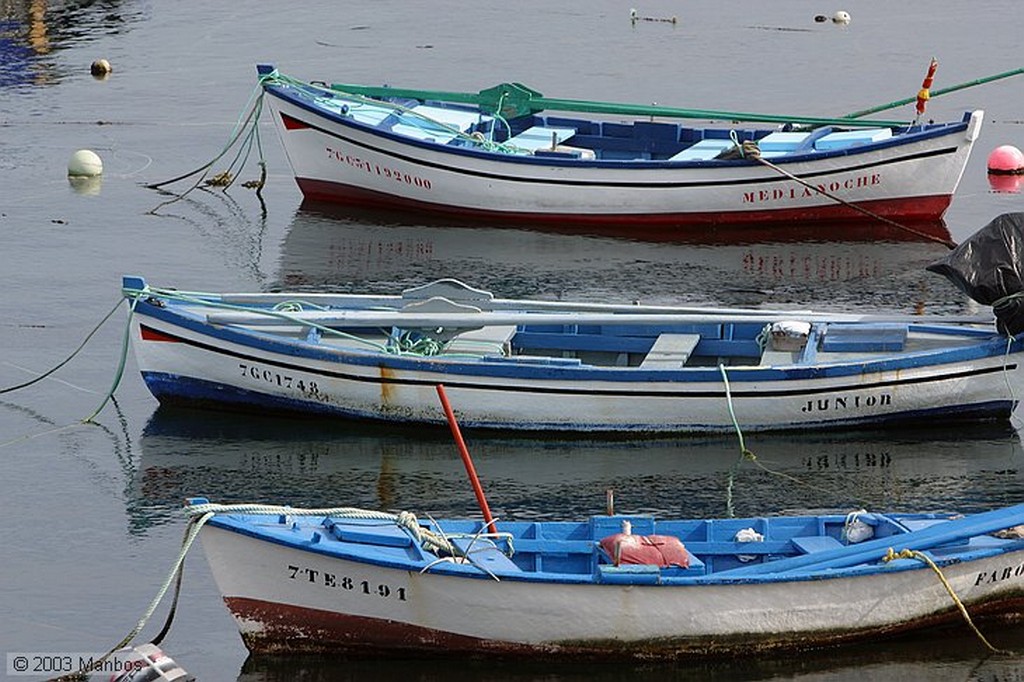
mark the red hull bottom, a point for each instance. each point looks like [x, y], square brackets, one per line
[295, 630]
[919, 219]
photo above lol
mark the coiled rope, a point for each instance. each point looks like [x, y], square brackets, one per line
[892, 555]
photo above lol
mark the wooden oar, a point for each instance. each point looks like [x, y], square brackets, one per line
[920, 540]
[510, 100]
[936, 93]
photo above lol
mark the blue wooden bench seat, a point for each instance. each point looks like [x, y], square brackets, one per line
[540, 137]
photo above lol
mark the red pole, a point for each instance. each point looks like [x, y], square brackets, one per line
[466, 460]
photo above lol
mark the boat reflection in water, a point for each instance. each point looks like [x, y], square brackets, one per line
[234, 458]
[951, 655]
[865, 266]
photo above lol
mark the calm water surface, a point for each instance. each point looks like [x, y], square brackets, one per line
[91, 525]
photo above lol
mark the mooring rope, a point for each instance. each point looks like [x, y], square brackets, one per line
[892, 555]
[246, 129]
[748, 150]
[68, 358]
[122, 362]
[201, 512]
[110, 393]
[747, 455]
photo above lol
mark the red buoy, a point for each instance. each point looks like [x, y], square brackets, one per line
[1007, 160]
[1004, 183]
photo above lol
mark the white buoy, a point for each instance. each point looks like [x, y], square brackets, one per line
[85, 163]
[841, 17]
[101, 68]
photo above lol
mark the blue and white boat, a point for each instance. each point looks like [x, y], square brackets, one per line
[354, 582]
[509, 153]
[559, 366]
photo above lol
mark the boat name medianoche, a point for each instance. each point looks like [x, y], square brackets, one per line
[803, 192]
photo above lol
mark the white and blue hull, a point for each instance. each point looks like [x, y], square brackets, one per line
[188, 361]
[338, 155]
[293, 587]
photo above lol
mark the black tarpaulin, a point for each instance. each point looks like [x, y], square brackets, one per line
[989, 267]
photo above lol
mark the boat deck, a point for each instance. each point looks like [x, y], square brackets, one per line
[568, 137]
[714, 549]
[652, 347]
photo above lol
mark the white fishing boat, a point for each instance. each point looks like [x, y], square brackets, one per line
[350, 581]
[510, 153]
[559, 366]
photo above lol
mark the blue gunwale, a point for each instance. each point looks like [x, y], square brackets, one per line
[287, 93]
[314, 535]
[993, 346]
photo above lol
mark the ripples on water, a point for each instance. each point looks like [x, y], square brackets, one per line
[243, 458]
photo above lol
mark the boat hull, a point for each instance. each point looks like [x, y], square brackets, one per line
[187, 366]
[289, 600]
[335, 160]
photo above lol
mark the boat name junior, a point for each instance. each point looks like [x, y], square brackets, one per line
[843, 403]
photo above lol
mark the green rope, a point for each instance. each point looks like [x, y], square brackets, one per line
[748, 456]
[125, 340]
[68, 358]
[744, 452]
[246, 129]
[732, 412]
[196, 298]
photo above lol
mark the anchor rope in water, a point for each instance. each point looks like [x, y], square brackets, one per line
[892, 555]
[747, 455]
[107, 397]
[66, 360]
[246, 129]
[121, 363]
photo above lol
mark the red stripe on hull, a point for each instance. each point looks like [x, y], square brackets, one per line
[150, 334]
[920, 215]
[292, 123]
[297, 630]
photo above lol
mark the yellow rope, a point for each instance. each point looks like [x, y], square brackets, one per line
[892, 555]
